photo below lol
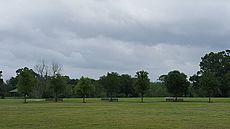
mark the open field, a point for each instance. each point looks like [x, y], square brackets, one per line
[128, 113]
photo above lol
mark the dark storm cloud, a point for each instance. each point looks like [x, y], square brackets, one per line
[96, 36]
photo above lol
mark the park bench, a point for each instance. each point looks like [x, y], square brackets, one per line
[173, 99]
[109, 99]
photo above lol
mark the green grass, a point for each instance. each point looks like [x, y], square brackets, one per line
[128, 113]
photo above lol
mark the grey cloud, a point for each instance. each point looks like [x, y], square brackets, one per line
[97, 36]
[146, 22]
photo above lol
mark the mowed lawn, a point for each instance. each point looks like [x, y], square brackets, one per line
[128, 113]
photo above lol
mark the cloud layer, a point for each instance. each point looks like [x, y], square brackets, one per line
[93, 37]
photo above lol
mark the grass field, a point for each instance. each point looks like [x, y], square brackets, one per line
[155, 113]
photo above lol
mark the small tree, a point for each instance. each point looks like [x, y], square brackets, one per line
[26, 82]
[176, 83]
[209, 84]
[58, 85]
[84, 87]
[142, 83]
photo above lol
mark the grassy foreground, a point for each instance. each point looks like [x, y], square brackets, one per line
[155, 113]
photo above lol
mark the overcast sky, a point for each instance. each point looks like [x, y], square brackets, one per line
[93, 37]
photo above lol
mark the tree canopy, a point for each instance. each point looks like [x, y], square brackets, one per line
[215, 66]
[26, 81]
[110, 82]
[58, 85]
[84, 87]
[218, 64]
[142, 83]
[209, 84]
[176, 83]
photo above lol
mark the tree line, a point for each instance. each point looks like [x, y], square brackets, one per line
[46, 81]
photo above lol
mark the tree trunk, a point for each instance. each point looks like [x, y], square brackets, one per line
[83, 99]
[56, 98]
[142, 98]
[176, 98]
[209, 99]
[25, 98]
[111, 97]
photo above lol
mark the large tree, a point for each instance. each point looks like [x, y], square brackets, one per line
[84, 87]
[56, 68]
[110, 82]
[26, 81]
[58, 85]
[142, 83]
[218, 64]
[176, 83]
[209, 84]
[42, 71]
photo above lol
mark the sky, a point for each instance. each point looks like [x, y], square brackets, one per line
[93, 37]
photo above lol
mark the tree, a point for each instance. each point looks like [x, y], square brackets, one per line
[56, 68]
[157, 89]
[110, 82]
[217, 64]
[142, 82]
[84, 87]
[12, 83]
[42, 71]
[3, 88]
[126, 84]
[195, 85]
[26, 81]
[70, 88]
[209, 84]
[176, 83]
[227, 81]
[58, 85]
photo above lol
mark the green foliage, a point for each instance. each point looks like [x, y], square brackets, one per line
[195, 86]
[126, 85]
[157, 89]
[84, 87]
[110, 82]
[209, 84]
[218, 64]
[58, 85]
[12, 83]
[99, 89]
[2, 88]
[226, 82]
[142, 82]
[176, 83]
[26, 81]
